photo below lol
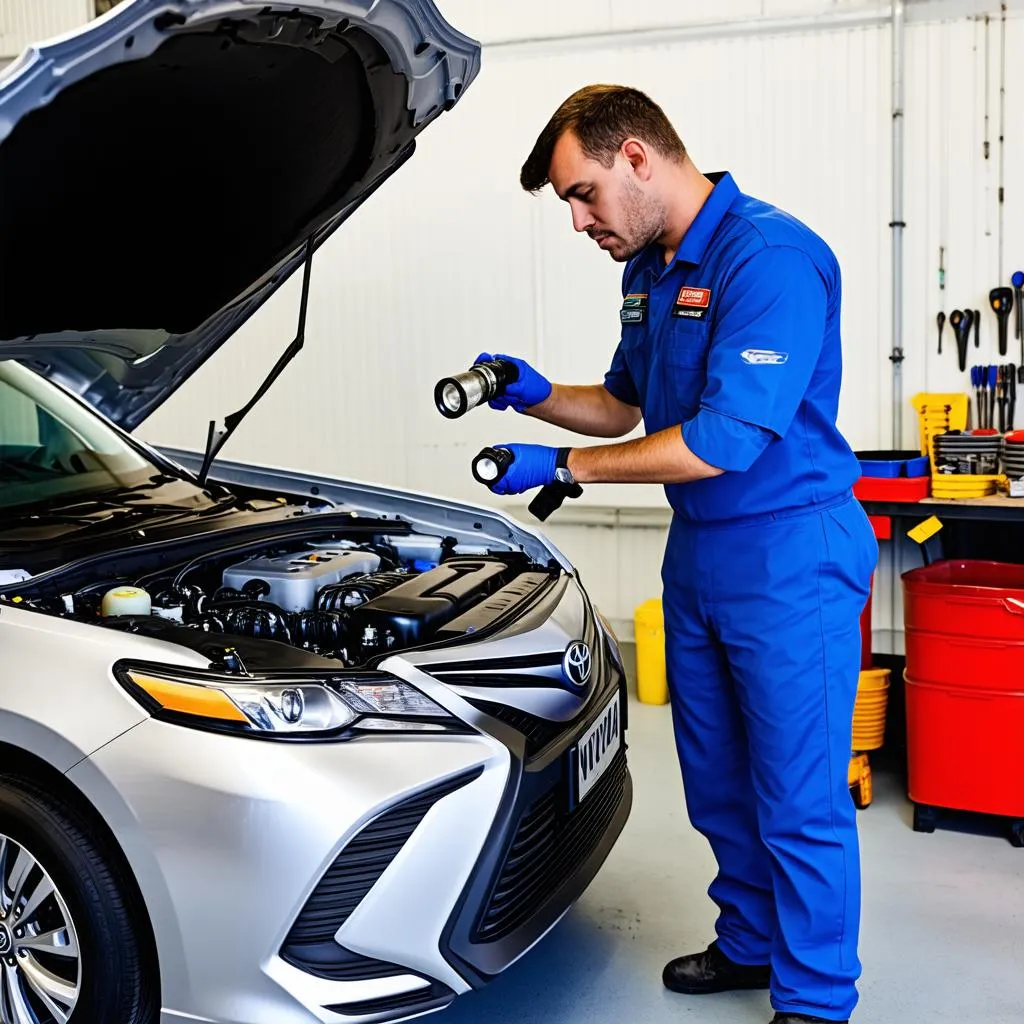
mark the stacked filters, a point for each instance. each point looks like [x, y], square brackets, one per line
[1013, 455]
[966, 463]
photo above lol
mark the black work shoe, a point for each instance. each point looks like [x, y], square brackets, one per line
[803, 1018]
[712, 971]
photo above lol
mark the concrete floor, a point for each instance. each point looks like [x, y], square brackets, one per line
[942, 935]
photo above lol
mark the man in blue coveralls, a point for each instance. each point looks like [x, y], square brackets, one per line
[730, 352]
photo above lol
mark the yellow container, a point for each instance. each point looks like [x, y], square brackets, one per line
[651, 678]
[869, 711]
[936, 414]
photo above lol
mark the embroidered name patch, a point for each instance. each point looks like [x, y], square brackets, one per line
[692, 303]
[634, 308]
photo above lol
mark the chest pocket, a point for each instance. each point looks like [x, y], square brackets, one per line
[685, 343]
[684, 358]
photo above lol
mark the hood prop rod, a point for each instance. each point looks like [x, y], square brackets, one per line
[216, 439]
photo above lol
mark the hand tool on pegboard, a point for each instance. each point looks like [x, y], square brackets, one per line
[977, 328]
[1018, 292]
[960, 320]
[1002, 395]
[1013, 396]
[1001, 301]
[979, 401]
[941, 321]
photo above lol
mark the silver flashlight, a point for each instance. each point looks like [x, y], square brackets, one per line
[482, 382]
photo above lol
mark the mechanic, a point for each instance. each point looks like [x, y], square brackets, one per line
[730, 351]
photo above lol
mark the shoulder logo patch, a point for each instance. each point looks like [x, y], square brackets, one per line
[764, 357]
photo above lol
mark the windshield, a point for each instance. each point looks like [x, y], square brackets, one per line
[52, 448]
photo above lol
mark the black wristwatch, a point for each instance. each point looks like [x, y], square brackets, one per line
[563, 474]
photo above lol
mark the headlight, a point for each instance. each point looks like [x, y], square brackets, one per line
[293, 707]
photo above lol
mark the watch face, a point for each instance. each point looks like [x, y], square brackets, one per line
[563, 476]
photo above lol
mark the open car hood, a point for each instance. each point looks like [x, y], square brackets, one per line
[162, 170]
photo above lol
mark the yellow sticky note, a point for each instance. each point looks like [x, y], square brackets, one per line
[920, 533]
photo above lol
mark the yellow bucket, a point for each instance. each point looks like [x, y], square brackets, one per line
[651, 679]
[869, 711]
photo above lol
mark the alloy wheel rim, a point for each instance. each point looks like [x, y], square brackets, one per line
[40, 959]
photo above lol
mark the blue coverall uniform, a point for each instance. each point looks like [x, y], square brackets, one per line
[766, 572]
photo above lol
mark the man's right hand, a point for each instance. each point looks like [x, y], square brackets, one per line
[530, 389]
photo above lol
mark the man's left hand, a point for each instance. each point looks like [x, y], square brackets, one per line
[534, 466]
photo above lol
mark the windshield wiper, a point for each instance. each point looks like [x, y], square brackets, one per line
[216, 439]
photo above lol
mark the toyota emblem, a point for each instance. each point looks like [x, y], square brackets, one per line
[577, 663]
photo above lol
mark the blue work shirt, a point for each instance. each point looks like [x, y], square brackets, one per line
[737, 340]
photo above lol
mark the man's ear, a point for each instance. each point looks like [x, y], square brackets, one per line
[638, 156]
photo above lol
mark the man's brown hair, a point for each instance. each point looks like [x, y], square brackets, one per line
[602, 117]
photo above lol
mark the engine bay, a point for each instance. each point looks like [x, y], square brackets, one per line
[348, 600]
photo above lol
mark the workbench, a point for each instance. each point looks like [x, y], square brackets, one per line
[986, 528]
[995, 508]
[989, 528]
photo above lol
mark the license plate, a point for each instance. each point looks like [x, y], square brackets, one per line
[597, 747]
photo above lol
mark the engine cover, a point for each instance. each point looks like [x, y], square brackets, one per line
[412, 611]
[295, 578]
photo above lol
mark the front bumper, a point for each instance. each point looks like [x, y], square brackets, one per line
[371, 880]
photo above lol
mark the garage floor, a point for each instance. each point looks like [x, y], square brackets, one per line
[942, 936]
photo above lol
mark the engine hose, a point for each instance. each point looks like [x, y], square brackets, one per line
[190, 596]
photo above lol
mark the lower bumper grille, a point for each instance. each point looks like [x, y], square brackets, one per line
[420, 1001]
[310, 944]
[549, 844]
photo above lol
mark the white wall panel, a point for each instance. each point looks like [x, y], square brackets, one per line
[29, 21]
[453, 258]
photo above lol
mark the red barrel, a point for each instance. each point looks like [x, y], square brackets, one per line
[972, 599]
[964, 748]
[965, 661]
[965, 685]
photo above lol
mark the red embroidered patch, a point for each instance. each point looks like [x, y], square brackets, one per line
[699, 297]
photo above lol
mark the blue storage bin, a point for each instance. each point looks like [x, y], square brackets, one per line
[892, 464]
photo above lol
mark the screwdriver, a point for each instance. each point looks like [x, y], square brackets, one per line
[976, 384]
[941, 321]
[1003, 397]
[1018, 287]
[993, 372]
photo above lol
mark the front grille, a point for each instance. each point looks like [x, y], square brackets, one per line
[539, 732]
[549, 845]
[310, 943]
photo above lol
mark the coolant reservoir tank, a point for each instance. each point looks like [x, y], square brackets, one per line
[125, 601]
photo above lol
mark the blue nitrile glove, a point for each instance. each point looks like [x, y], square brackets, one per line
[532, 388]
[534, 466]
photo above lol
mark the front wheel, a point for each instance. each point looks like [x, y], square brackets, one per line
[69, 940]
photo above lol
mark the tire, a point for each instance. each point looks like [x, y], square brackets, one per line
[73, 891]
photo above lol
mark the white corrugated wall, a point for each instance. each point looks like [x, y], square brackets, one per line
[29, 21]
[451, 258]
